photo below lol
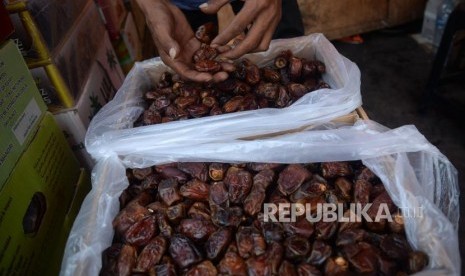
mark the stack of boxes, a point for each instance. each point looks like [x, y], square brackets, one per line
[81, 48]
[41, 182]
[123, 32]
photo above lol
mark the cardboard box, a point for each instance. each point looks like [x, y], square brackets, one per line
[131, 38]
[54, 18]
[34, 202]
[113, 12]
[82, 188]
[104, 80]
[337, 19]
[7, 27]
[75, 57]
[21, 107]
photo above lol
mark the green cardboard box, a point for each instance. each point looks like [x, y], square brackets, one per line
[21, 107]
[82, 188]
[34, 202]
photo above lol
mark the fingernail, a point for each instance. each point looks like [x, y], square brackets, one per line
[203, 6]
[172, 53]
[214, 45]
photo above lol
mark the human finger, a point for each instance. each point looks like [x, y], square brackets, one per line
[251, 41]
[212, 6]
[220, 76]
[238, 25]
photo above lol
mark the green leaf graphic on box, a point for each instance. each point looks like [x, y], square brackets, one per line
[95, 106]
[111, 59]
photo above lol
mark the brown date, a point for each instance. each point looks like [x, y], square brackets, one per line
[233, 104]
[196, 229]
[151, 254]
[283, 99]
[175, 213]
[292, 177]
[319, 253]
[198, 110]
[126, 260]
[270, 75]
[257, 266]
[254, 201]
[417, 261]
[337, 266]
[282, 60]
[166, 268]
[199, 210]
[205, 268]
[205, 52]
[239, 183]
[218, 242]
[296, 90]
[268, 90]
[151, 117]
[304, 269]
[206, 32]
[197, 170]
[183, 251]
[274, 256]
[250, 242]
[141, 232]
[232, 263]
[210, 66]
[141, 174]
[195, 189]
[295, 68]
[216, 171]
[300, 227]
[170, 172]
[297, 247]
[168, 191]
[335, 169]
[287, 268]
[132, 213]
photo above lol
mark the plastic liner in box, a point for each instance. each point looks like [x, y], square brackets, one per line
[414, 172]
[115, 120]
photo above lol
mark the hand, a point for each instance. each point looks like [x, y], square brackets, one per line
[175, 40]
[263, 15]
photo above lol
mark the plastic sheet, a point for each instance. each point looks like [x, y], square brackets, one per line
[115, 121]
[413, 171]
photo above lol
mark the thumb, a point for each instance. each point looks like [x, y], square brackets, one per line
[212, 6]
[169, 46]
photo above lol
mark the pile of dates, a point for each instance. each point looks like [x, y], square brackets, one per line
[208, 219]
[247, 88]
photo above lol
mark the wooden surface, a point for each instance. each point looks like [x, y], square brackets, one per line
[403, 11]
[337, 19]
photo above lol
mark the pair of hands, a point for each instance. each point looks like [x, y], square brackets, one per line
[176, 40]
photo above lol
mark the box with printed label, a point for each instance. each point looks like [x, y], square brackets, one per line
[21, 107]
[104, 80]
[34, 202]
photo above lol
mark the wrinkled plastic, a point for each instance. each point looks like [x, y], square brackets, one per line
[414, 172]
[115, 120]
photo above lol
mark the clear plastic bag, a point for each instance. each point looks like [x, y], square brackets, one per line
[413, 171]
[115, 120]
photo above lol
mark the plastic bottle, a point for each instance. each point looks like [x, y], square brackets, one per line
[444, 10]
